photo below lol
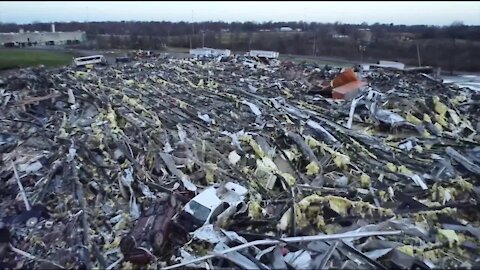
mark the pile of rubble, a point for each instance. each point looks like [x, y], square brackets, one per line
[178, 163]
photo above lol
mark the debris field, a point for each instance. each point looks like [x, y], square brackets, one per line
[175, 163]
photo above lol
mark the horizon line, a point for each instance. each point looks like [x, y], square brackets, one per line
[230, 22]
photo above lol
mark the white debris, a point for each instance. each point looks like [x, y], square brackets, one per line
[181, 133]
[32, 167]
[252, 88]
[205, 117]
[299, 260]
[406, 146]
[168, 148]
[188, 184]
[208, 234]
[71, 97]
[253, 107]
[233, 157]
[72, 151]
[418, 180]
[127, 180]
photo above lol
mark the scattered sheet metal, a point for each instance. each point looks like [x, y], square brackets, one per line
[169, 163]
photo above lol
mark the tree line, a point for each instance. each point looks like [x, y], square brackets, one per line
[165, 28]
[453, 47]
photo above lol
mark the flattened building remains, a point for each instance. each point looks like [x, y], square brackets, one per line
[28, 39]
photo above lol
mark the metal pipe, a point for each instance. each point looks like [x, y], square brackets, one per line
[297, 239]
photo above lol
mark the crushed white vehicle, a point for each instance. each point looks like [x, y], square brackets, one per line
[215, 202]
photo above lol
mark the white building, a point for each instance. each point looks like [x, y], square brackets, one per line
[23, 39]
[209, 52]
[286, 29]
[338, 36]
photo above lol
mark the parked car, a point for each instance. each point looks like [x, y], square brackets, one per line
[250, 63]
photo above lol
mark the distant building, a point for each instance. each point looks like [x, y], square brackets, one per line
[264, 30]
[209, 52]
[286, 29]
[365, 35]
[26, 39]
[339, 36]
[403, 36]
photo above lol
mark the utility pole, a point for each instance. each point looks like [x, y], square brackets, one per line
[314, 42]
[193, 26]
[362, 49]
[168, 36]
[418, 55]
[203, 38]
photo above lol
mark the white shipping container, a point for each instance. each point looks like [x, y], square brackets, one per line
[266, 54]
[391, 64]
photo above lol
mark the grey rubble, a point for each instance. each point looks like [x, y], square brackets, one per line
[87, 149]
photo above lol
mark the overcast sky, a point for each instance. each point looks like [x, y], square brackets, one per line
[428, 12]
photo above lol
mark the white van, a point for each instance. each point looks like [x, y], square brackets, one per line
[250, 63]
[90, 60]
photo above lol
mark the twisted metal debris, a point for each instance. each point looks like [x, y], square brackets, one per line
[96, 166]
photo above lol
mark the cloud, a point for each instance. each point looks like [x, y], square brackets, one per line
[431, 13]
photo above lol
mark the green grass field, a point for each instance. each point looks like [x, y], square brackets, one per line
[12, 58]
